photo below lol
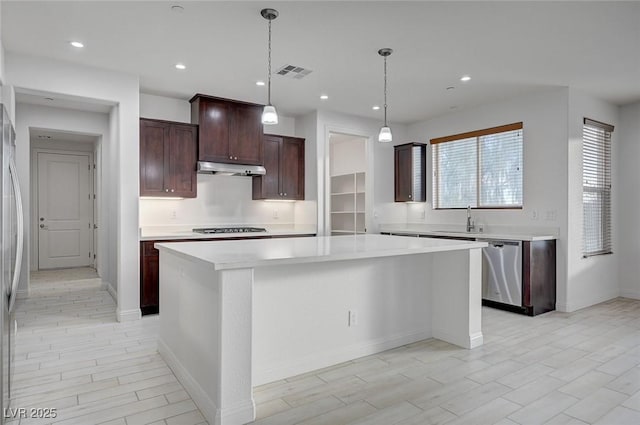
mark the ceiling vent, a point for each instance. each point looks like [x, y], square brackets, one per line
[292, 71]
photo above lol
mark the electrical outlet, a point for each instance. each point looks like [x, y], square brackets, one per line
[275, 213]
[551, 215]
[353, 318]
[535, 215]
[174, 214]
[422, 214]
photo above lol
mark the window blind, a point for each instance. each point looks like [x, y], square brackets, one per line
[481, 169]
[596, 187]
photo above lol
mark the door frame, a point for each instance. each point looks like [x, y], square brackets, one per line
[35, 237]
[324, 210]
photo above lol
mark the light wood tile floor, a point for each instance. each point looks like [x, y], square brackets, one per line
[557, 368]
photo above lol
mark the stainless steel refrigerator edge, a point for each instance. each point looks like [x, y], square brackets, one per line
[11, 236]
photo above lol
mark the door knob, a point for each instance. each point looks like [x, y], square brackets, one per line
[42, 226]
[41, 218]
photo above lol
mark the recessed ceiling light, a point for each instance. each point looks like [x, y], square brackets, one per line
[324, 97]
[465, 78]
[181, 66]
[176, 8]
[375, 108]
[42, 136]
[76, 44]
[450, 88]
[259, 83]
[50, 99]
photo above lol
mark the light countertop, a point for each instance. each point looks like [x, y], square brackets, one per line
[152, 233]
[264, 252]
[447, 231]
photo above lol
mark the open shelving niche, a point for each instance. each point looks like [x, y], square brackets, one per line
[348, 204]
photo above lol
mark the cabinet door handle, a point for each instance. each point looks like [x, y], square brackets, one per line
[285, 194]
[409, 196]
[235, 157]
[172, 190]
[230, 157]
[166, 190]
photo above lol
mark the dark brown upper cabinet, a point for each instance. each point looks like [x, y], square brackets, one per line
[167, 158]
[410, 172]
[229, 131]
[284, 162]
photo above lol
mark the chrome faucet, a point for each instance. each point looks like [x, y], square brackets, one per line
[470, 224]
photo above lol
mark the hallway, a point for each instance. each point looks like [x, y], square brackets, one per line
[72, 355]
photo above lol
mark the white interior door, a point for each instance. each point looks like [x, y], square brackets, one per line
[64, 211]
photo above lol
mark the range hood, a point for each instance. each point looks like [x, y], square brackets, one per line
[230, 169]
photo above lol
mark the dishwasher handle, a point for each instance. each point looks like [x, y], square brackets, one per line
[500, 244]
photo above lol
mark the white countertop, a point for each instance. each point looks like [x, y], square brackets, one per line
[264, 252]
[153, 233]
[432, 230]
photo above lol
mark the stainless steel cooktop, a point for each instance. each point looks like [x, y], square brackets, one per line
[233, 229]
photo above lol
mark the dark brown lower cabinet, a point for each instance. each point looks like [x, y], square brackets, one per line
[539, 276]
[150, 269]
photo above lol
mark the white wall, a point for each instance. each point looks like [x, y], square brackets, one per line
[348, 156]
[628, 200]
[595, 279]
[89, 123]
[164, 108]
[122, 90]
[221, 199]
[544, 117]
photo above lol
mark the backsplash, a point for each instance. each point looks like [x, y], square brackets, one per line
[221, 200]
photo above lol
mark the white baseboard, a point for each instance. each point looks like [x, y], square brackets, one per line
[128, 315]
[239, 414]
[581, 303]
[324, 359]
[469, 342]
[111, 290]
[630, 293]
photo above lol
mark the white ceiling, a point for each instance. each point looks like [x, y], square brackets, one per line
[508, 48]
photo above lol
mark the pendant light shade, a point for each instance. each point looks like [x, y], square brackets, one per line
[385, 132]
[385, 135]
[269, 114]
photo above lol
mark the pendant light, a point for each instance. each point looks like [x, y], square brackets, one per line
[269, 114]
[385, 132]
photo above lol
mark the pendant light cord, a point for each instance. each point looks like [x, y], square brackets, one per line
[385, 91]
[269, 75]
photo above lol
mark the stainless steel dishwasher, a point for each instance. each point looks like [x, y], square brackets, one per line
[502, 272]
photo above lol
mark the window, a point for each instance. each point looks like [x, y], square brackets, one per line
[481, 169]
[596, 188]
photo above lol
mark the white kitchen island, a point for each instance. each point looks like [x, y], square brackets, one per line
[237, 314]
